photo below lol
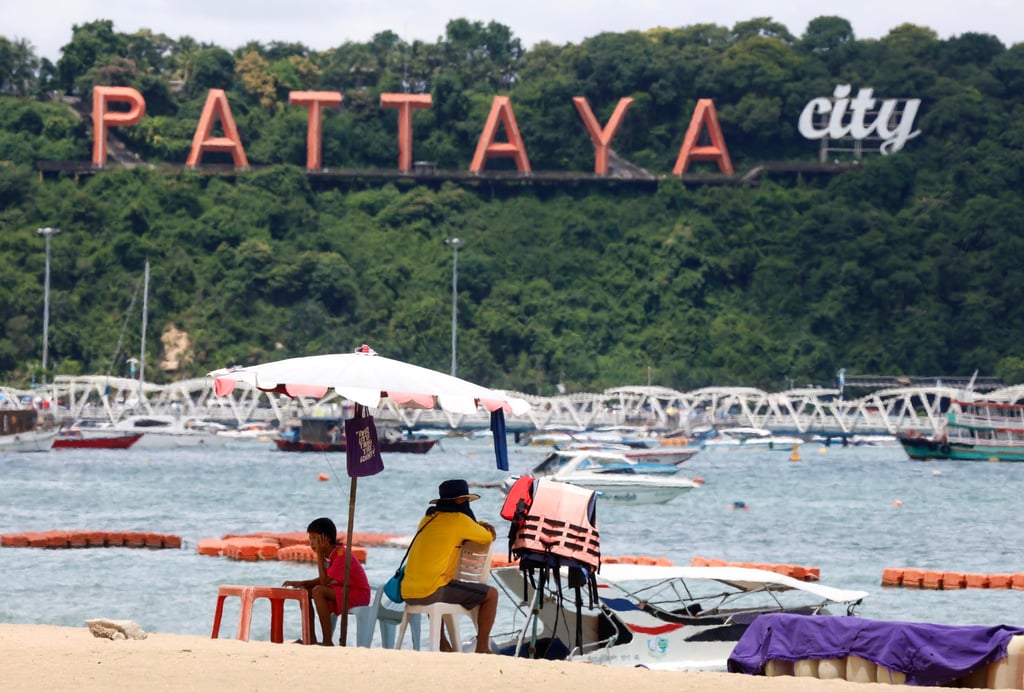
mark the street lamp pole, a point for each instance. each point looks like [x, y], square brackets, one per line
[47, 233]
[454, 243]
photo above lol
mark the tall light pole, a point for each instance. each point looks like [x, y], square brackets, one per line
[46, 233]
[454, 243]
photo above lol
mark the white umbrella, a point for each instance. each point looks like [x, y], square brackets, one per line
[367, 379]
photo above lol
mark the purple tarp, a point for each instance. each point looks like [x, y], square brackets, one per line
[927, 654]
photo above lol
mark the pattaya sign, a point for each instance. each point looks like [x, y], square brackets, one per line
[860, 118]
[704, 121]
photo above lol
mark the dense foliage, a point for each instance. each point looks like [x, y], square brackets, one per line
[909, 264]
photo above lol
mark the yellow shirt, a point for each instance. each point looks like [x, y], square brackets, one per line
[434, 556]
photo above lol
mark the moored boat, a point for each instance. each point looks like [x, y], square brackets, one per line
[161, 431]
[613, 475]
[663, 617]
[20, 432]
[326, 435]
[972, 431]
[72, 438]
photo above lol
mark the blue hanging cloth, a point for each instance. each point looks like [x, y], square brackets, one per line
[500, 441]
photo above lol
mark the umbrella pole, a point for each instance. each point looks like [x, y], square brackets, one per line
[348, 564]
[359, 412]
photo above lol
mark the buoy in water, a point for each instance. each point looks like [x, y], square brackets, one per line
[795, 456]
[323, 477]
[897, 503]
[698, 480]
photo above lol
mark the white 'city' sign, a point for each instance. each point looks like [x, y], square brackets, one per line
[849, 118]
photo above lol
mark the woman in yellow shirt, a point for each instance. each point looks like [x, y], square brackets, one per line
[434, 557]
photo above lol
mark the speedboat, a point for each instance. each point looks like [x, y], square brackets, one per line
[659, 617]
[162, 431]
[611, 474]
[750, 438]
[664, 456]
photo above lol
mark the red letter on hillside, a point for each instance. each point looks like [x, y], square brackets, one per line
[217, 105]
[501, 109]
[101, 118]
[405, 103]
[601, 138]
[316, 101]
[704, 115]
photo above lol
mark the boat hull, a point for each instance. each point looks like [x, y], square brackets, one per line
[28, 441]
[110, 442]
[925, 449]
[406, 446]
[666, 456]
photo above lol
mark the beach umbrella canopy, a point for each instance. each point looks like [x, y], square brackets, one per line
[369, 380]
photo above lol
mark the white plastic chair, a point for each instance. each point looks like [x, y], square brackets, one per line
[384, 611]
[474, 566]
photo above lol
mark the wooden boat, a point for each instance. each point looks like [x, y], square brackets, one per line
[20, 432]
[412, 446]
[972, 431]
[326, 435]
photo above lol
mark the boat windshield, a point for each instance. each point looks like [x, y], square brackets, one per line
[551, 465]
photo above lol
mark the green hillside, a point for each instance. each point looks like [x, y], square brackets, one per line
[911, 263]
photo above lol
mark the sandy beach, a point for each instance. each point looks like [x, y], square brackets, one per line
[43, 657]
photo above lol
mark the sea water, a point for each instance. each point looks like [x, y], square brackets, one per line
[852, 512]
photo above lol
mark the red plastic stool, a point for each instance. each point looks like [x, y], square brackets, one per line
[277, 595]
[243, 593]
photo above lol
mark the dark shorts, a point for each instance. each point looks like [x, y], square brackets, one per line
[464, 593]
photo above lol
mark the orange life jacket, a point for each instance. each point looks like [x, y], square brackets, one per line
[560, 522]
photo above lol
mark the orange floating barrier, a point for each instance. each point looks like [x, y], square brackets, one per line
[210, 546]
[134, 539]
[78, 539]
[699, 561]
[14, 540]
[977, 581]
[934, 579]
[1000, 581]
[56, 539]
[954, 580]
[913, 578]
[892, 577]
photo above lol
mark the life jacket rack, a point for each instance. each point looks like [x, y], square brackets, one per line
[553, 527]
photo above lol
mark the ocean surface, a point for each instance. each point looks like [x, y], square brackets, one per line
[852, 512]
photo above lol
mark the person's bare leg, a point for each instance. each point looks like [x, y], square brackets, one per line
[485, 621]
[323, 598]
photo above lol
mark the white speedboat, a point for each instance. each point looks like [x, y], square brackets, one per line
[613, 475]
[670, 618]
[665, 456]
[750, 438]
[164, 431]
